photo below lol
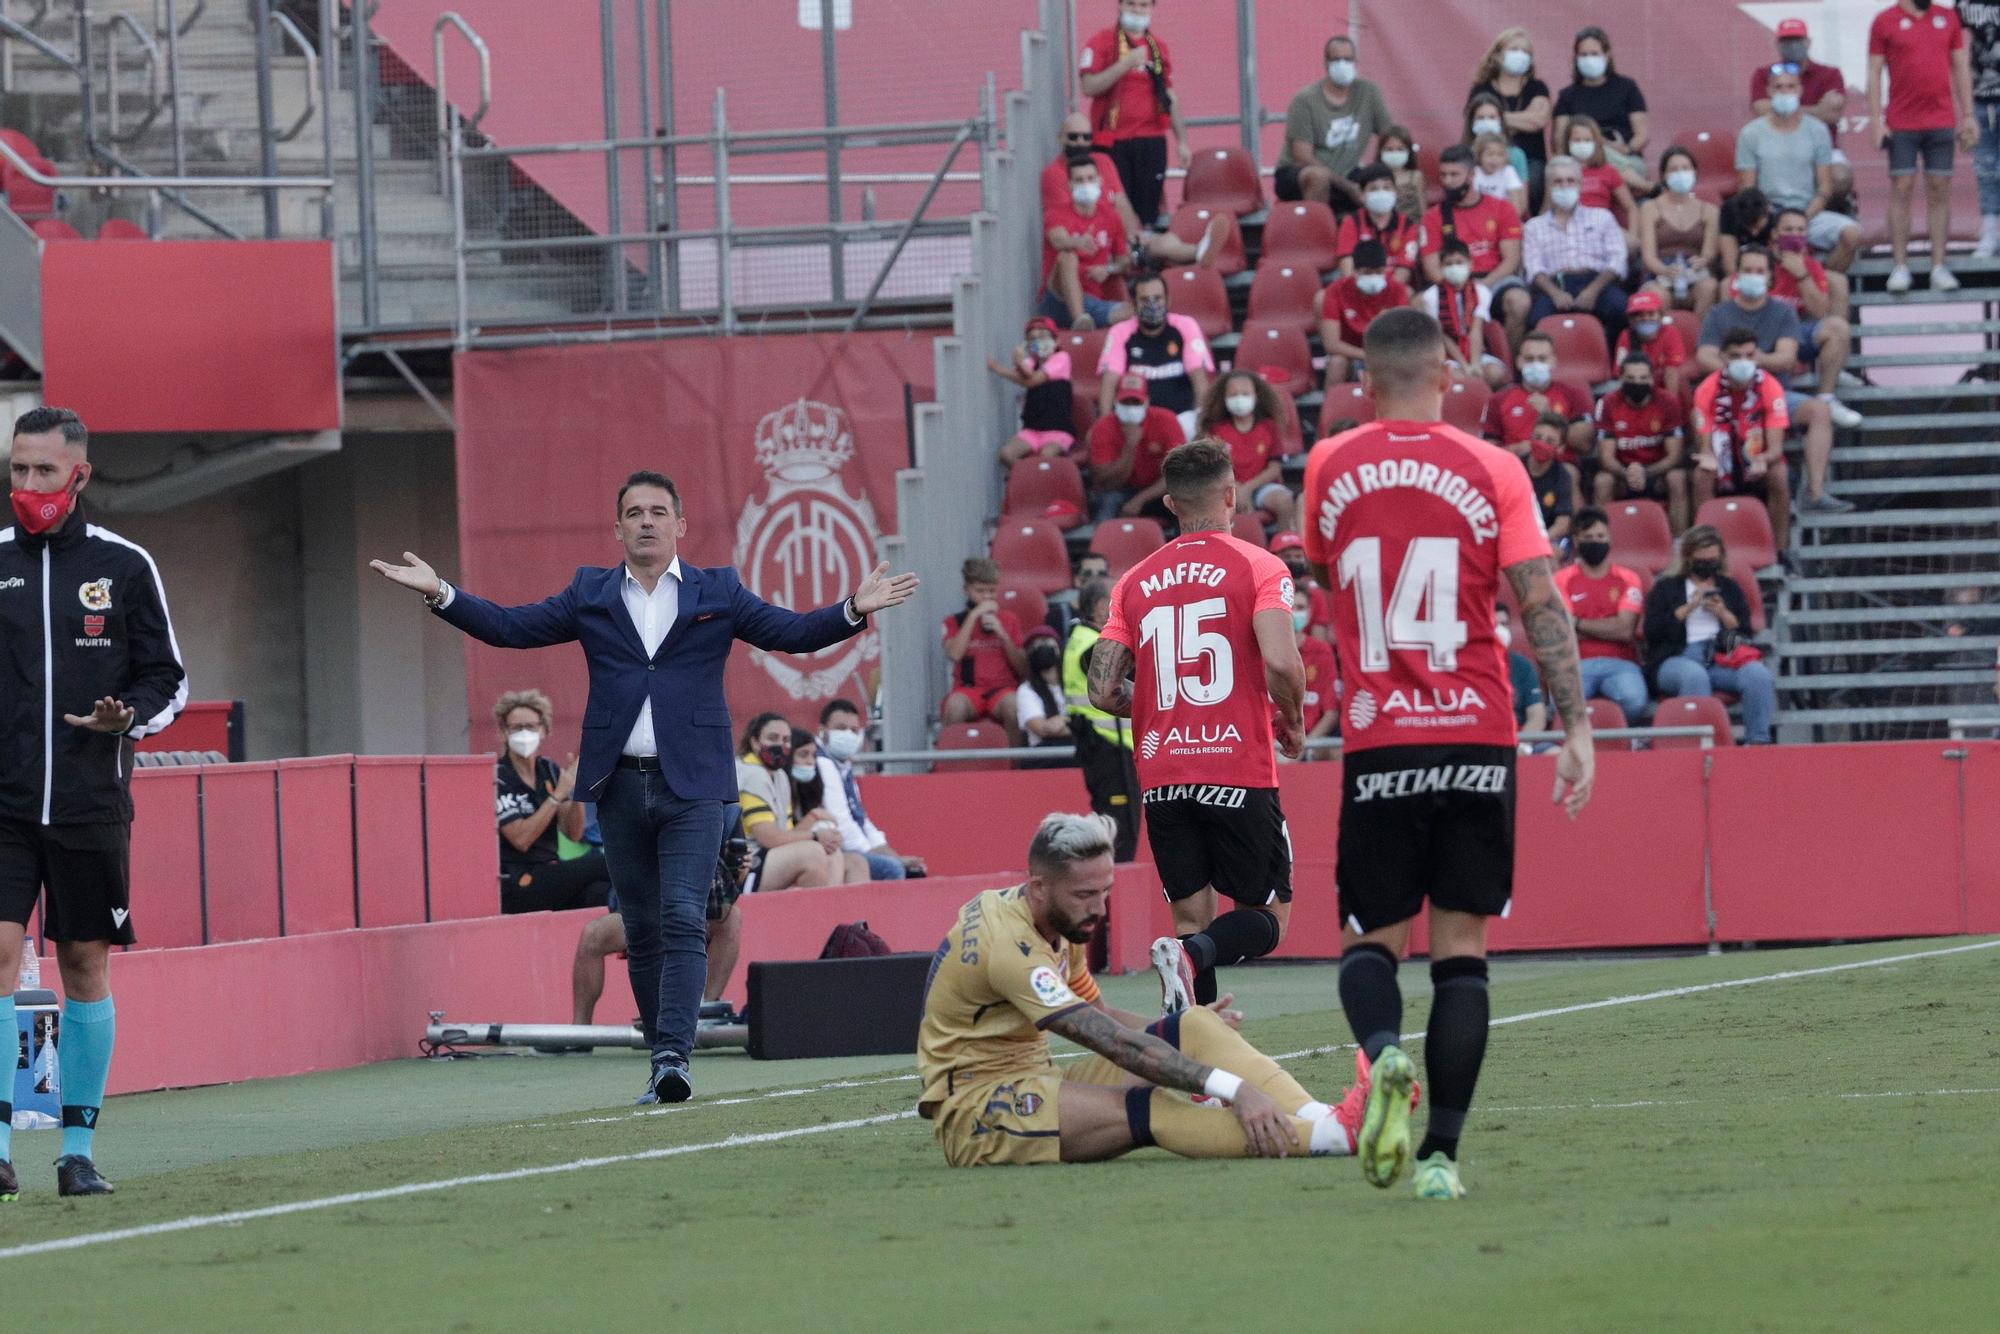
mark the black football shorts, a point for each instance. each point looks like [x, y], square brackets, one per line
[1233, 838]
[1425, 822]
[86, 869]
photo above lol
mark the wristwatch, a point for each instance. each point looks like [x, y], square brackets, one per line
[436, 600]
[853, 614]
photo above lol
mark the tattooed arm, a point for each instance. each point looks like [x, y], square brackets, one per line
[1553, 640]
[1133, 1049]
[1110, 670]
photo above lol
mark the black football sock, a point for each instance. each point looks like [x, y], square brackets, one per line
[1371, 997]
[1234, 937]
[1454, 1049]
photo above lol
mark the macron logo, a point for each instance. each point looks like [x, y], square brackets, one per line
[16, 582]
[118, 916]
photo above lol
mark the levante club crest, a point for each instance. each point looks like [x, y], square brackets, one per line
[806, 542]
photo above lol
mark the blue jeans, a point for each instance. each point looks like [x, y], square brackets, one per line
[1986, 157]
[881, 866]
[657, 842]
[1693, 674]
[1618, 680]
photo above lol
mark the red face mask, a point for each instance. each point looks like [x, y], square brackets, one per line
[1542, 451]
[39, 511]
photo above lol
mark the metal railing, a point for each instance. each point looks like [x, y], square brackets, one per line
[159, 186]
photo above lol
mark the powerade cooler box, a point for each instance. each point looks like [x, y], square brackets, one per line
[37, 1085]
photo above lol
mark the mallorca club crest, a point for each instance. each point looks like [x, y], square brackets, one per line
[806, 542]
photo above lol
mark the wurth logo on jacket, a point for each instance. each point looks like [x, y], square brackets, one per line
[82, 616]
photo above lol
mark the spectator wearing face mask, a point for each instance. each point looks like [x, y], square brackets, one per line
[1575, 255]
[1103, 742]
[1048, 407]
[1611, 102]
[1776, 328]
[1697, 627]
[1507, 71]
[1291, 549]
[1320, 715]
[1604, 186]
[983, 643]
[1680, 237]
[1744, 220]
[1127, 450]
[1331, 124]
[1490, 231]
[1819, 299]
[841, 737]
[1929, 114]
[1462, 305]
[1084, 252]
[532, 800]
[1129, 78]
[1739, 424]
[1512, 413]
[1605, 601]
[1660, 343]
[1531, 711]
[1823, 88]
[1495, 175]
[784, 853]
[1640, 450]
[1242, 411]
[1349, 305]
[1485, 117]
[1039, 702]
[1397, 150]
[1554, 478]
[1077, 141]
[1788, 156]
[1167, 349]
[1378, 220]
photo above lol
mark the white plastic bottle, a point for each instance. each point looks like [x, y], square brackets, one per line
[31, 967]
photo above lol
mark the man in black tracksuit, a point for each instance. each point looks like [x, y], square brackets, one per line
[88, 663]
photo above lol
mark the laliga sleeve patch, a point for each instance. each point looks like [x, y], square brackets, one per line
[1049, 988]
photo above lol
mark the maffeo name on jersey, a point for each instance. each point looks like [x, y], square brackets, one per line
[1186, 572]
[1448, 486]
[1433, 778]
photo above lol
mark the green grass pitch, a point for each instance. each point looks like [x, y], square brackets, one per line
[1808, 1152]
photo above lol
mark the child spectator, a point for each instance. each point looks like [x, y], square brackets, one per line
[1462, 305]
[1554, 478]
[1378, 220]
[1660, 343]
[1397, 150]
[1603, 185]
[1349, 305]
[1243, 412]
[1048, 408]
[1495, 177]
[1605, 601]
[983, 643]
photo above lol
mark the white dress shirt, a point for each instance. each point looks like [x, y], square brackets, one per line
[653, 615]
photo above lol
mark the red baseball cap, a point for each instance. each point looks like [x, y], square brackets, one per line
[1643, 303]
[1288, 542]
[1132, 388]
[1792, 28]
[1042, 322]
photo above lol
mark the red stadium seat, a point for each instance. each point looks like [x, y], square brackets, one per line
[1604, 714]
[1345, 400]
[1496, 341]
[55, 229]
[1031, 551]
[1302, 235]
[1692, 711]
[1034, 484]
[1125, 542]
[27, 199]
[1285, 294]
[117, 229]
[1714, 153]
[1580, 347]
[1291, 432]
[1190, 222]
[1248, 528]
[1030, 608]
[1199, 293]
[1223, 178]
[970, 736]
[1745, 526]
[1640, 536]
[1267, 343]
[1465, 405]
[1745, 576]
[1084, 349]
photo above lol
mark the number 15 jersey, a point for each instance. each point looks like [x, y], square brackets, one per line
[1201, 712]
[1414, 522]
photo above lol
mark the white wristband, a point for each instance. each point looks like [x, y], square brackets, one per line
[1221, 1084]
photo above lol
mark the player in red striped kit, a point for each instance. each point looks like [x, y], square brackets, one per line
[1204, 626]
[1412, 523]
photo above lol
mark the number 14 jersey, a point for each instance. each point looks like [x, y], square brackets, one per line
[1201, 712]
[1414, 522]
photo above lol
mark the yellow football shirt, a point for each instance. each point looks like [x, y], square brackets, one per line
[994, 985]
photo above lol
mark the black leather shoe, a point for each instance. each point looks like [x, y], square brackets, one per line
[77, 1175]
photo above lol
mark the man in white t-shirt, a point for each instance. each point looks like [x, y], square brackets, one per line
[841, 736]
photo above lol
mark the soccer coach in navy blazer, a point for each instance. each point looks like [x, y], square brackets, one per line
[658, 750]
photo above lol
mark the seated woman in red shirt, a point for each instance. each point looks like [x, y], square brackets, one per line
[1242, 411]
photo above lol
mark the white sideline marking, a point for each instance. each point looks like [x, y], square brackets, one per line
[242, 1216]
[773, 1136]
[1923, 1093]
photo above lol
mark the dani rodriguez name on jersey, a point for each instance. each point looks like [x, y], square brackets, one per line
[1447, 485]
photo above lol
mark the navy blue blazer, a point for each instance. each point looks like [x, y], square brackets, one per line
[683, 680]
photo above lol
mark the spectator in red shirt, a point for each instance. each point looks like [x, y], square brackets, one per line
[1291, 549]
[1658, 342]
[1129, 78]
[984, 645]
[1922, 48]
[1511, 414]
[1076, 141]
[1605, 601]
[1378, 220]
[1640, 450]
[1243, 412]
[1126, 451]
[1320, 717]
[1491, 231]
[1350, 304]
[1739, 424]
[1819, 298]
[1603, 185]
[1083, 252]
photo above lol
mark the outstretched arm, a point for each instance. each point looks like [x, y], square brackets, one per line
[1553, 640]
[1110, 673]
[535, 625]
[780, 631]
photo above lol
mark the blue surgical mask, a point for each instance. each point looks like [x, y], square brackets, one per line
[1743, 370]
[1647, 330]
[1341, 72]
[1135, 23]
[1565, 197]
[804, 773]
[1300, 620]
[1752, 286]
[1516, 62]
[1537, 374]
[1784, 104]
[1592, 67]
[1680, 181]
